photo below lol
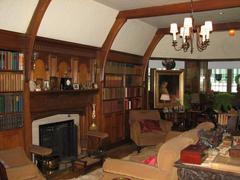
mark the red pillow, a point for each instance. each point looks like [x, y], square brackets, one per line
[151, 160]
[148, 125]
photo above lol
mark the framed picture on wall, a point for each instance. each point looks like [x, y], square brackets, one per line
[76, 86]
[167, 87]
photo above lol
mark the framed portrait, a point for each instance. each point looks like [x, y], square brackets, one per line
[76, 86]
[167, 87]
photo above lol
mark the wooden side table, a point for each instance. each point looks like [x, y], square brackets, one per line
[40, 151]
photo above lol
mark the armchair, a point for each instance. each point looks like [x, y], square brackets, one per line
[18, 166]
[149, 137]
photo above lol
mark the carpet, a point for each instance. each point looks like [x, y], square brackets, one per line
[94, 175]
[134, 156]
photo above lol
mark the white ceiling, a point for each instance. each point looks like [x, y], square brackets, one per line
[135, 4]
[217, 16]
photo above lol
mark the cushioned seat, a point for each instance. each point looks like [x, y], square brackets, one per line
[141, 122]
[167, 154]
[18, 166]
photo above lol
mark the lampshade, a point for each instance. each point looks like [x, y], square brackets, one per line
[165, 97]
[187, 22]
[203, 31]
[208, 25]
[173, 28]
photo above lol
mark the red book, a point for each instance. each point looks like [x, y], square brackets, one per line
[193, 154]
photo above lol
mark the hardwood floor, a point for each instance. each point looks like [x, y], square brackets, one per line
[118, 152]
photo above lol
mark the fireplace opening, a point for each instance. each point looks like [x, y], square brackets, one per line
[61, 137]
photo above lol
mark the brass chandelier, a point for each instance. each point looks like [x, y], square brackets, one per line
[187, 34]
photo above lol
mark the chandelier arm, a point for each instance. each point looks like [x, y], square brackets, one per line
[199, 42]
[174, 44]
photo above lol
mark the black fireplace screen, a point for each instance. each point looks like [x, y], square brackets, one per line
[61, 137]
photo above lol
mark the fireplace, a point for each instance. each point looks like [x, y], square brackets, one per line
[61, 137]
[56, 131]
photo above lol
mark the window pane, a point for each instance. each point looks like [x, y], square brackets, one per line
[219, 80]
[235, 72]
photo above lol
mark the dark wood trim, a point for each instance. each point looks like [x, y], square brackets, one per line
[31, 33]
[103, 53]
[184, 59]
[157, 37]
[124, 57]
[12, 40]
[47, 103]
[54, 46]
[198, 6]
[226, 26]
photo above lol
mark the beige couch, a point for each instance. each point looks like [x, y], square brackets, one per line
[167, 154]
[18, 166]
[147, 138]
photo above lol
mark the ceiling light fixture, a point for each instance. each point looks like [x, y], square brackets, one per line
[187, 34]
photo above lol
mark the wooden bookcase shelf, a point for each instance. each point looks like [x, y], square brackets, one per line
[122, 91]
[11, 90]
[59, 92]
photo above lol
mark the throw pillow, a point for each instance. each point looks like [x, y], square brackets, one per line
[151, 160]
[148, 125]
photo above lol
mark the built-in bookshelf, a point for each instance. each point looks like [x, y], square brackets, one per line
[122, 91]
[122, 81]
[11, 89]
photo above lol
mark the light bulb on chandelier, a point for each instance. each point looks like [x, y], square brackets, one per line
[187, 34]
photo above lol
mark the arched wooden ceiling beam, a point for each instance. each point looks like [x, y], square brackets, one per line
[161, 32]
[103, 52]
[32, 32]
[198, 6]
[156, 38]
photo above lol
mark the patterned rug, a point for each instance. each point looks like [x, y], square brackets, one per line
[137, 157]
[94, 175]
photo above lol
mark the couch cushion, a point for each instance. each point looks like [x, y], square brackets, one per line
[149, 125]
[136, 115]
[205, 126]
[152, 138]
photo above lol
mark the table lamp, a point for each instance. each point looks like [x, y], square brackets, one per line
[165, 97]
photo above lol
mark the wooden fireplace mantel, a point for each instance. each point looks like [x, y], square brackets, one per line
[47, 103]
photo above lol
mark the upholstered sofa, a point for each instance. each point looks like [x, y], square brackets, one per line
[18, 166]
[167, 154]
[137, 118]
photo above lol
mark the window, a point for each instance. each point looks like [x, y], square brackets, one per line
[235, 73]
[218, 80]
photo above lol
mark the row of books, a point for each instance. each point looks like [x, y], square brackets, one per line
[11, 60]
[133, 92]
[11, 81]
[122, 68]
[11, 121]
[133, 80]
[135, 103]
[11, 103]
[112, 106]
[113, 81]
[113, 93]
